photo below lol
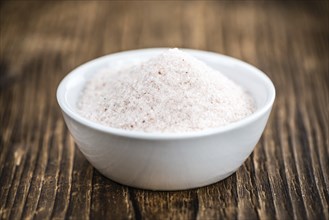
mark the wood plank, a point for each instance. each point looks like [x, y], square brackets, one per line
[81, 188]
[164, 205]
[111, 195]
[43, 175]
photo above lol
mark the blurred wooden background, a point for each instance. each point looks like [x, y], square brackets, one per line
[43, 175]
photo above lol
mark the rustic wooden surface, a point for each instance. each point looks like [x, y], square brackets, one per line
[43, 175]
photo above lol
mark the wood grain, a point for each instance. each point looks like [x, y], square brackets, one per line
[43, 175]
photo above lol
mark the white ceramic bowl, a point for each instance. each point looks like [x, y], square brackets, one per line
[167, 161]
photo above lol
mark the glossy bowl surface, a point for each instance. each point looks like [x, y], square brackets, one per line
[167, 161]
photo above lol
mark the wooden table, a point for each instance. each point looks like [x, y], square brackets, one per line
[43, 175]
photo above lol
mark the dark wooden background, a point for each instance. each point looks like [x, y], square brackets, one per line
[43, 175]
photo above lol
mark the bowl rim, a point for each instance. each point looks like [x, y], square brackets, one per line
[62, 101]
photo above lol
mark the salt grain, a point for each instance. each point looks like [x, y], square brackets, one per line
[173, 92]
